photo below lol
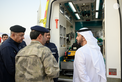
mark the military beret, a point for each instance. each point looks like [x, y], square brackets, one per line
[17, 28]
[39, 28]
[48, 29]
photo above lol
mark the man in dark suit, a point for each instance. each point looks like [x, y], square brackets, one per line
[53, 49]
[8, 50]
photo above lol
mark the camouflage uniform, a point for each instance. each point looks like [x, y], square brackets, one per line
[35, 63]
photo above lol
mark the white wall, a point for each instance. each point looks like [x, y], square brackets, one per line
[55, 32]
[112, 38]
[62, 21]
[67, 24]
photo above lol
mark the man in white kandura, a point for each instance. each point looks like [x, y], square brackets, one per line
[88, 64]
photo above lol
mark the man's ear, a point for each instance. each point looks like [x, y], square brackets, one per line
[13, 34]
[40, 36]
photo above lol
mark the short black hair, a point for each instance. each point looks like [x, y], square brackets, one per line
[4, 35]
[34, 34]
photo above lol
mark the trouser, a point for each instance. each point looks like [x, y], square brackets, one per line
[55, 79]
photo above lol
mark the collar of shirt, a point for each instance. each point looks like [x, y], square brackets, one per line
[34, 41]
[17, 44]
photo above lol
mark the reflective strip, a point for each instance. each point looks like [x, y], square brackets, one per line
[46, 11]
[45, 14]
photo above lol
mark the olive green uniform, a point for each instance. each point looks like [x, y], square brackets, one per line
[35, 63]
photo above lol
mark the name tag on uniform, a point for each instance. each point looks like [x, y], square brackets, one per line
[53, 48]
[53, 52]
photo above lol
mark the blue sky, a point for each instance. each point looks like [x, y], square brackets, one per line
[20, 12]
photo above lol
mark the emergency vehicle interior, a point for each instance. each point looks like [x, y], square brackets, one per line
[78, 14]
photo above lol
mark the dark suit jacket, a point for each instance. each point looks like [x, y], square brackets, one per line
[8, 51]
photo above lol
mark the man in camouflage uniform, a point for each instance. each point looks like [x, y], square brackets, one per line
[35, 62]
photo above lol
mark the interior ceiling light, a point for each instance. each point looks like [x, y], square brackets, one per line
[72, 7]
[96, 16]
[78, 17]
[82, 1]
[97, 4]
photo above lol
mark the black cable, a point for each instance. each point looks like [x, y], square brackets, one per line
[120, 35]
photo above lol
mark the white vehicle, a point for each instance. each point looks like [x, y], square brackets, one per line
[104, 17]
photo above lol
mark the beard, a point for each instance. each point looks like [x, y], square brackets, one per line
[79, 42]
[48, 41]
